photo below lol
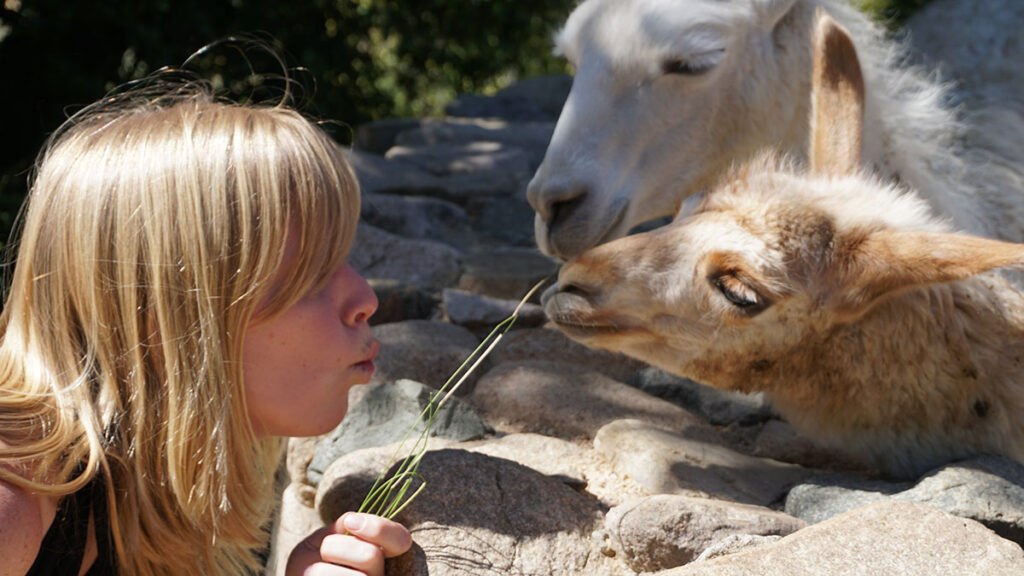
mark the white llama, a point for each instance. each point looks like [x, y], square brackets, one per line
[668, 94]
[873, 325]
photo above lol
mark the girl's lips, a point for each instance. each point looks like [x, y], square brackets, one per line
[373, 347]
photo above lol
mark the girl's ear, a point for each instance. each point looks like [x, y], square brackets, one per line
[866, 269]
[837, 100]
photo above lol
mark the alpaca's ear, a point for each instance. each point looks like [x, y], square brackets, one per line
[837, 100]
[863, 270]
[771, 11]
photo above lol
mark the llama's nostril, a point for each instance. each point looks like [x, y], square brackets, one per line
[553, 203]
[562, 211]
[572, 288]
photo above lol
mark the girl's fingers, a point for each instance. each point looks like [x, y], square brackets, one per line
[324, 569]
[392, 538]
[354, 553]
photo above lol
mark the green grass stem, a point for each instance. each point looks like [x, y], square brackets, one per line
[390, 494]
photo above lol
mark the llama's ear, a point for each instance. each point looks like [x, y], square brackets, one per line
[865, 269]
[837, 100]
[771, 11]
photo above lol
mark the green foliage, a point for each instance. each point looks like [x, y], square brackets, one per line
[892, 12]
[365, 59]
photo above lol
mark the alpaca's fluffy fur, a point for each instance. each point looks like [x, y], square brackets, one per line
[870, 321]
[668, 94]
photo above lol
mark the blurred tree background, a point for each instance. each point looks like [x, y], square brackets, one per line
[366, 59]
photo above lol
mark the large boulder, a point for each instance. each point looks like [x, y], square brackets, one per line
[897, 538]
[482, 516]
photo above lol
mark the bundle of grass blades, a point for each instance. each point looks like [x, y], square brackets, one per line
[392, 493]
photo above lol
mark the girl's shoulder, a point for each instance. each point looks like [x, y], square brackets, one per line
[24, 520]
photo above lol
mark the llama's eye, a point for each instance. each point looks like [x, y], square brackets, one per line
[693, 66]
[739, 294]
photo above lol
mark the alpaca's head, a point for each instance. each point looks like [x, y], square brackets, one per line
[667, 95]
[771, 258]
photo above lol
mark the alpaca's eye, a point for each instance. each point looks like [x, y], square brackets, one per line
[693, 66]
[739, 294]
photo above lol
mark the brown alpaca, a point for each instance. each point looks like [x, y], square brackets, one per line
[873, 326]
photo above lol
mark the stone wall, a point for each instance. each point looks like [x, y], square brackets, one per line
[559, 460]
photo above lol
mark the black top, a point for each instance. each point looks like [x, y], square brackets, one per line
[63, 547]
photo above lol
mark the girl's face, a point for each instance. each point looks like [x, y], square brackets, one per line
[298, 367]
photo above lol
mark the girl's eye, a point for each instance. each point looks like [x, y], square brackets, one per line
[740, 295]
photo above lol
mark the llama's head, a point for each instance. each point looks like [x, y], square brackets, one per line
[772, 258]
[667, 95]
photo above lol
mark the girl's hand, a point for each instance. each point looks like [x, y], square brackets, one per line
[356, 544]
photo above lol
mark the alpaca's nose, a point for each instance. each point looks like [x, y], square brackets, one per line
[554, 203]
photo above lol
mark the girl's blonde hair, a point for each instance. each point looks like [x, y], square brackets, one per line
[154, 226]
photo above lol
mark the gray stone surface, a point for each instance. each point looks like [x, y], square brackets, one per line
[377, 137]
[378, 175]
[735, 543]
[380, 254]
[390, 413]
[507, 273]
[550, 345]
[988, 489]
[483, 313]
[426, 351]
[398, 301]
[665, 531]
[892, 538]
[418, 217]
[485, 516]
[448, 159]
[567, 401]
[666, 462]
[531, 137]
[718, 406]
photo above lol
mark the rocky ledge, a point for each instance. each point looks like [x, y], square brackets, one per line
[559, 460]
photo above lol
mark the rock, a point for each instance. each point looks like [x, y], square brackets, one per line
[507, 273]
[294, 522]
[550, 345]
[482, 313]
[665, 531]
[298, 455]
[377, 137]
[347, 482]
[425, 351]
[548, 92]
[884, 538]
[379, 254]
[534, 98]
[720, 407]
[398, 301]
[666, 462]
[778, 440]
[552, 457]
[389, 414]
[735, 543]
[531, 137]
[378, 175]
[965, 41]
[472, 188]
[485, 516]
[506, 221]
[418, 217]
[989, 489]
[474, 157]
[566, 401]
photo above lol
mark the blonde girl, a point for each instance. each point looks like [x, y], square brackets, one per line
[180, 302]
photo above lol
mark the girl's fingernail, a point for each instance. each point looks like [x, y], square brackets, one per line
[353, 521]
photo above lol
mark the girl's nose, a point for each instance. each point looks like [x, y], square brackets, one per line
[361, 301]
